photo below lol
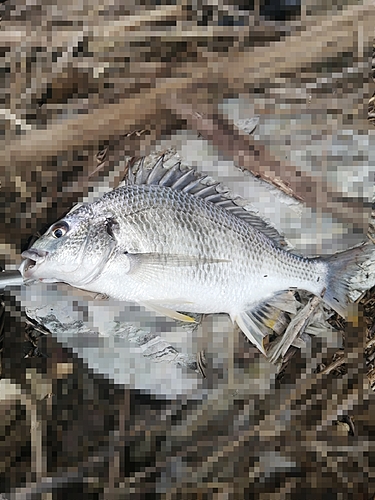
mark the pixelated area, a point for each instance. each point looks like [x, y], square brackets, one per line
[105, 400]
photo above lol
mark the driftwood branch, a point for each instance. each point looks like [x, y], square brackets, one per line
[251, 155]
[321, 42]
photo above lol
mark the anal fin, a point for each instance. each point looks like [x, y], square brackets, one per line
[165, 311]
[263, 318]
[251, 330]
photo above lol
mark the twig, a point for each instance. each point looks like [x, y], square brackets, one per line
[251, 155]
[320, 41]
[370, 343]
[113, 30]
[2, 321]
[302, 49]
[341, 360]
[296, 327]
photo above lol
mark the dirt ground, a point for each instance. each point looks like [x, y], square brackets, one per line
[87, 84]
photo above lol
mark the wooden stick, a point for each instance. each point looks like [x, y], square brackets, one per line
[17, 34]
[239, 69]
[251, 155]
[323, 40]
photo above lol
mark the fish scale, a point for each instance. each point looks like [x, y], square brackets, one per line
[156, 213]
[169, 241]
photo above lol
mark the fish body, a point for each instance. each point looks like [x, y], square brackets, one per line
[166, 240]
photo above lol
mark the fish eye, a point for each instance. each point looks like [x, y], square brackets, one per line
[60, 229]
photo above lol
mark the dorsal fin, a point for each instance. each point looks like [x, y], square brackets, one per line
[189, 181]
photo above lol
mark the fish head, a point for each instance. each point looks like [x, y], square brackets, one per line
[74, 250]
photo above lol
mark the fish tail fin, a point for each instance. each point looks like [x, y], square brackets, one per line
[342, 269]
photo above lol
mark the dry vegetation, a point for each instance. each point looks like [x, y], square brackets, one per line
[84, 84]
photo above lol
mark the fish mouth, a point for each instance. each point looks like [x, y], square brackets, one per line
[33, 258]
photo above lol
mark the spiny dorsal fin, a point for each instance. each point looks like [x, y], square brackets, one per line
[189, 181]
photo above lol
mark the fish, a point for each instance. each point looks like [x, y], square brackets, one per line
[168, 239]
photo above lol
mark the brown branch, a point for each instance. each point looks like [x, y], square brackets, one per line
[341, 360]
[113, 31]
[253, 156]
[239, 70]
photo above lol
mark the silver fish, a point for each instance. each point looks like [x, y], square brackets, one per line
[167, 240]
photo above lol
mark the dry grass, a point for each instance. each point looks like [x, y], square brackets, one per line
[84, 81]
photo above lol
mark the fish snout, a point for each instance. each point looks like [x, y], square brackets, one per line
[32, 257]
[34, 254]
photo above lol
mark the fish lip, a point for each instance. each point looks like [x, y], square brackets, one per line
[33, 258]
